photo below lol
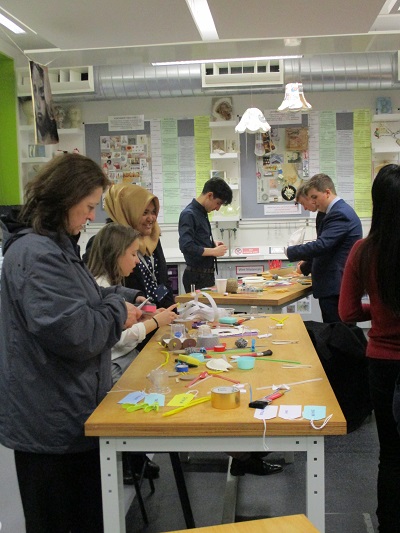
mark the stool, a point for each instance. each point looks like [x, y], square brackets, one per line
[182, 490]
[137, 483]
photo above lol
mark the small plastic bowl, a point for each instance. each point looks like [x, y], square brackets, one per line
[246, 363]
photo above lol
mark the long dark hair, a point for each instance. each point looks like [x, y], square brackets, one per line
[381, 249]
[59, 185]
[108, 245]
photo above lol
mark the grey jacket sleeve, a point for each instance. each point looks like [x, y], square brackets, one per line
[65, 310]
[129, 295]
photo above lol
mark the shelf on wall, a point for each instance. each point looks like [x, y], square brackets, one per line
[386, 152]
[68, 80]
[229, 155]
[62, 131]
[386, 117]
[33, 160]
[225, 219]
[224, 124]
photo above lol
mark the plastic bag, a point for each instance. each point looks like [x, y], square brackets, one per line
[297, 237]
[199, 311]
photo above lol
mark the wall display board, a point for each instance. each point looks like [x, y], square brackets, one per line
[169, 156]
[339, 145]
[282, 163]
[126, 159]
[172, 158]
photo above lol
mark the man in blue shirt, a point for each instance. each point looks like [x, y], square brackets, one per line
[195, 237]
[338, 231]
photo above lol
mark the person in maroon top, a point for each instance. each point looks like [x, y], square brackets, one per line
[373, 269]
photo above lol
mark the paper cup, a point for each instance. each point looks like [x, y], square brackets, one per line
[221, 285]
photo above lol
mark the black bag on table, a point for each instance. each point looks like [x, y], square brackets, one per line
[341, 349]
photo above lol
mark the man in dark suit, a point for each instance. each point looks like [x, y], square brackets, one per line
[304, 267]
[337, 232]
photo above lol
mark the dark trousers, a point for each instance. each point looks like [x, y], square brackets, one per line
[60, 493]
[329, 309]
[382, 378]
[199, 279]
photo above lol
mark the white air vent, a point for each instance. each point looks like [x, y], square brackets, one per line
[241, 74]
[62, 80]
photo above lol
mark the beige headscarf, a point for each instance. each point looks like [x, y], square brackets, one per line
[125, 204]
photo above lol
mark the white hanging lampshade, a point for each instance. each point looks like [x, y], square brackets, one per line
[253, 121]
[306, 105]
[294, 99]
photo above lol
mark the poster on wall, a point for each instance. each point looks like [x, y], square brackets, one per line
[45, 122]
[282, 164]
[126, 159]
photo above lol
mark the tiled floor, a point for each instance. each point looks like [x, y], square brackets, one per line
[350, 473]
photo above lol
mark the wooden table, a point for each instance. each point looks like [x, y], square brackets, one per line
[283, 524]
[205, 429]
[270, 300]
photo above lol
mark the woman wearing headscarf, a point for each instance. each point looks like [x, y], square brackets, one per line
[134, 206]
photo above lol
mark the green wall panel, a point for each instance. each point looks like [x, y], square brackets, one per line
[9, 167]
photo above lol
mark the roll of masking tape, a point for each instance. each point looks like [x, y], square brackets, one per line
[219, 347]
[182, 367]
[225, 397]
[207, 341]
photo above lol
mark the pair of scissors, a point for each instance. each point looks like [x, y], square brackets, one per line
[279, 320]
[145, 406]
[151, 407]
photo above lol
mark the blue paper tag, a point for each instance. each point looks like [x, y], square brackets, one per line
[133, 397]
[314, 412]
[153, 398]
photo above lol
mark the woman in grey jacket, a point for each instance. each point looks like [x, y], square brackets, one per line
[57, 328]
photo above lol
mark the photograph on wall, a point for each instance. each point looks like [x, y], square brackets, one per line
[222, 109]
[44, 114]
[281, 170]
[218, 174]
[218, 146]
[124, 160]
[268, 142]
[296, 139]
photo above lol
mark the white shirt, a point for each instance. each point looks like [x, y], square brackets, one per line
[130, 337]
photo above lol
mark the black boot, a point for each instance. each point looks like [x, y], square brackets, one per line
[127, 469]
[253, 465]
[152, 470]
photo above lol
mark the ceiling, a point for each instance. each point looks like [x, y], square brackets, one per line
[100, 32]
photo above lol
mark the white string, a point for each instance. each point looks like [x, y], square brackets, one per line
[323, 424]
[265, 445]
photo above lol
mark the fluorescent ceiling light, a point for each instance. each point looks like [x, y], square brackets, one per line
[10, 25]
[230, 60]
[202, 17]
